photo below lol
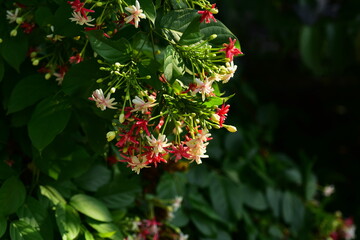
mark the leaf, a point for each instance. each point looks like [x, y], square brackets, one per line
[253, 198]
[94, 178]
[293, 210]
[110, 230]
[52, 194]
[111, 51]
[32, 212]
[311, 186]
[49, 118]
[149, 10]
[180, 218]
[68, 221]
[14, 50]
[3, 225]
[173, 64]
[43, 16]
[91, 207]
[21, 230]
[203, 224]
[81, 78]
[192, 33]
[218, 197]
[171, 185]
[222, 32]
[294, 176]
[2, 69]
[28, 91]
[273, 197]
[88, 235]
[12, 196]
[235, 198]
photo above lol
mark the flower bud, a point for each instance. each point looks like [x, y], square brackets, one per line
[212, 37]
[110, 136]
[13, 33]
[1, 40]
[230, 128]
[214, 11]
[77, 38]
[33, 54]
[47, 76]
[99, 4]
[35, 62]
[112, 90]
[100, 80]
[122, 118]
[215, 118]
[117, 64]
[19, 20]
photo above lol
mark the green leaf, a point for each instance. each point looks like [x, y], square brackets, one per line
[110, 230]
[49, 118]
[21, 230]
[205, 225]
[3, 225]
[235, 198]
[81, 78]
[171, 185]
[111, 51]
[198, 204]
[14, 50]
[180, 218]
[68, 221]
[91, 207]
[52, 194]
[293, 210]
[88, 235]
[43, 16]
[173, 64]
[214, 101]
[218, 197]
[273, 197]
[32, 212]
[253, 198]
[94, 178]
[176, 22]
[294, 176]
[38, 88]
[222, 32]
[12, 196]
[2, 69]
[192, 33]
[149, 10]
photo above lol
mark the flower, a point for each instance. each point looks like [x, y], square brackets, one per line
[222, 113]
[203, 87]
[60, 75]
[197, 146]
[81, 20]
[76, 59]
[158, 145]
[136, 14]
[141, 105]
[328, 190]
[230, 49]
[110, 135]
[207, 15]
[101, 101]
[137, 164]
[180, 152]
[230, 70]
[54, 37]
[79, 7]
[27, 27]
[12, 16]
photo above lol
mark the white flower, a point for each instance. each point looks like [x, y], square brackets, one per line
[197, 146]
[101, 101]
[158, 144]
[231, 69]
[137, 165]
[54, 37]
[177, 203]
[59, 77]
[136, 14]
[81, 20]
[203, 87]
[183, 236]
[141, 105]
[12, 16]
[328, 190]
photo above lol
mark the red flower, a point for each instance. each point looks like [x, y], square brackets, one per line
[79, 7]
[207, 15]
[230, 49]
[180, 152]
[27, 27]
[76, 59]
[222, 112]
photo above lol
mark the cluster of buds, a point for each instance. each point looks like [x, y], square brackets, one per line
[21, 18]
[345, 229]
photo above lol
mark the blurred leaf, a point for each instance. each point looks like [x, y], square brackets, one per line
[253, 198]
[2, 69]
[12, 196]
[52, 194]
[199, 176]
[20, 230]
[14, 50]
[43, 16]
[32, 212]
[180, 218]
[49, 118]
[171, 185]
[218, 196]
[68, 221]
[273, 197]
[106, 229]
[38, 88]
[235, 198]
[294, 176]
[293, 210]
[91, 207]
[111, 51]
[205, 225]
[199, 204]
[94, 178]
[88, 235]
[3, 225]
[173, 65]
[311, 187]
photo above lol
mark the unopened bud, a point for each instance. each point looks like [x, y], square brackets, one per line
[19, 20]
[117, 64]
[1, 40]
[157, 52]
[99, 4]
[117, 73]
[33, 54]
[13, 33]
[35, 62]
[148, 77]
[212, 37]
[100, 80]
[100, 61]
[214, 11]
[77, 38]
[215, 118]
[122, 118]
[230, 128]
[112, 90]
[110, 136]
[47, 76]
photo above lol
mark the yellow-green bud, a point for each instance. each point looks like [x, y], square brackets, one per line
[148, 77]
[214, 11]
[35, 62]
[47, 76]
[122, 118]
[112, 90]
[99, 4]
[33, 54]
[212, 37]
[215, 118]
[230, 128]
[117, 64]
[110, 136]
[19, 20]
[13, 33]
[1, 40]
[100, 80]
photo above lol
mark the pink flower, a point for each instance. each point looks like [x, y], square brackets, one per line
[207, 15]
[180, 151]
[142, 106]
[81, 20]
[79, 7]
[222, 112]
[136, 14]
[60, 75]
[158, 145]
[101, 101]
[230, 49]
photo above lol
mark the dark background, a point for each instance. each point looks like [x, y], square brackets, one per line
[302, 64]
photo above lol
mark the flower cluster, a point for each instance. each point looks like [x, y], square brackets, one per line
[345, 229]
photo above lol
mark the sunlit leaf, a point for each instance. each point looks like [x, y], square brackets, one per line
[91, 207]
[20, 230]
[68, 221]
